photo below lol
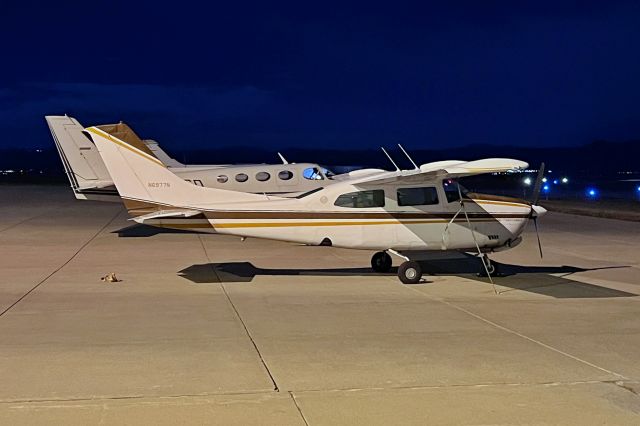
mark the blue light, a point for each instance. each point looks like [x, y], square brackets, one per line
[638, 189]
[555, 181]
[546, 188]
[592, 192]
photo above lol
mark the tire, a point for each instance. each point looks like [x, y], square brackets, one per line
[410, 272]
[381, 262]
[491, 267]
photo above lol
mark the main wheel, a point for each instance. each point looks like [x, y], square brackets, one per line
[381, 262]
[410, 272]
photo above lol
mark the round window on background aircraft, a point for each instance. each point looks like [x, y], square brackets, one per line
[222, 179]
[285, 175]
[262, 176]
[241, 177]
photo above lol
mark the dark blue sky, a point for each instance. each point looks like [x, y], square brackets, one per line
[325, 74]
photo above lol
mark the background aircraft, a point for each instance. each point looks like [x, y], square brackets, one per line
[90, 179]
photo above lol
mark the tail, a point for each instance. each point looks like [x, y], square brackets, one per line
[88, 176]
[161, 155]
[143, 180]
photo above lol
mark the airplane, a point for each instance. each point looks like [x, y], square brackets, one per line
[90, 179]
[406, 213]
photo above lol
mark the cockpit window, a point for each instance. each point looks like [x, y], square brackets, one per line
[422, 196]
[451, 190]
[313, 173]
[361, 199]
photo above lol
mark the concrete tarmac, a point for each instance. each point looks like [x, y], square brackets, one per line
[206, 329]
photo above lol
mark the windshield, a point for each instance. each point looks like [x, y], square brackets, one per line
[451, 190]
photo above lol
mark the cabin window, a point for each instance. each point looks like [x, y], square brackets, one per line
[312, 173]
[424, 196]
[242, 177]
[285, 175]
[361, 199]
[451, 190]
[222, 179]
[263, 176]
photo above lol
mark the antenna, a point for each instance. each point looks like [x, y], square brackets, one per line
[390, 159]
[410, 159]
[284, 161]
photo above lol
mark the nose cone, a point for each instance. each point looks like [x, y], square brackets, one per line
[538, 210]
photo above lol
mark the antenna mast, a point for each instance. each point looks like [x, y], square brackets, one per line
[410, 159]
[390, 159]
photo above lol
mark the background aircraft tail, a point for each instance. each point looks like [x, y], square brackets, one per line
[88, 176]
[161, 155]
[142, 179]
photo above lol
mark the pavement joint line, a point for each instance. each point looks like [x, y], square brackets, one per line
[237, 313]
[621, 384]
[29, 218]
[517, 333]
[295, 402]
[73, 256]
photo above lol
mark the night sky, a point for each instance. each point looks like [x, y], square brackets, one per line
[325, 74]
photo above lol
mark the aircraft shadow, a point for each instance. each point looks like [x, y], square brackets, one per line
[141, 231]
[533, 279]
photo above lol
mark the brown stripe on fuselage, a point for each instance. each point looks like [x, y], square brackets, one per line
[139, 208]
[490, 197]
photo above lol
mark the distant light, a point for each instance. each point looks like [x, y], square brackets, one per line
[555, 181]
[592, 192]
[527, 181]
[565, 180]
[638, 189]
[546, 188]
[544, 179]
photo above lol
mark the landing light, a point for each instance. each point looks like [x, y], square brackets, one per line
[527, 181]
[544, 179]
[565, 180]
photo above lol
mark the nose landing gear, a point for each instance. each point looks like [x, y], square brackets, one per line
[487, 267]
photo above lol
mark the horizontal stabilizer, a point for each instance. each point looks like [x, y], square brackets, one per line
[166, 214]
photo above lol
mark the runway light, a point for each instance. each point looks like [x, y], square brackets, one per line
[565, 180]
[544, 179]
[527, 181]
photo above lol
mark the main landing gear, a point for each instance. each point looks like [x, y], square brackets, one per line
[409, 271]
[381, 262]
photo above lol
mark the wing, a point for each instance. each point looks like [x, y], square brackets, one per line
[448, 169]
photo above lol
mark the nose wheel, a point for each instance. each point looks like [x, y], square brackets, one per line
[410, 272]
[487, 266]
[381, 262]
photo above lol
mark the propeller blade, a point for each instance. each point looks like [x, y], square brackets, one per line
[538, 186]
[535, 224]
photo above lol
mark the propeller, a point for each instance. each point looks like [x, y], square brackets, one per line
[534, 202]
[538, 185]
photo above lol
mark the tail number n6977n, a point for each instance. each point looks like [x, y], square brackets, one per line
[158, 184]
